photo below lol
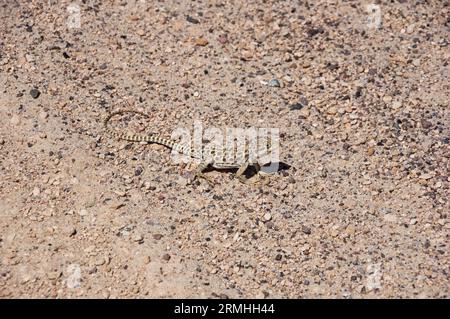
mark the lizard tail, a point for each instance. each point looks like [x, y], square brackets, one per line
[121, 135]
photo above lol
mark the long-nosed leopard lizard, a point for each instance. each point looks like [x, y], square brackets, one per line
[217, 160]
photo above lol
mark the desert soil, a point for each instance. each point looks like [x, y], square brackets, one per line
[360, 96]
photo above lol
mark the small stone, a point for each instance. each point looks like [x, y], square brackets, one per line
[117, 205]
[274, 83]
[306, 230]
[426, 124]
[267, 217]
[387, 99]
[120, 193]
[166, 257]
[296, 106]
[425, 176]
[35, 93]
[103, 66]
[138, 171]
[396, 105]
[140, 32]
[157, 236]
[43, 115]
[54, 274]
[99, 261]
[304, 112]
[29, 57]
[201, 42]
[71, 231]
[370, 151]
[332, 111]
[278, 257]
[223, 39]
[192, 20]
[413, 221]
[138, 238]
[36, 191]
[270, 225]
[304, 101]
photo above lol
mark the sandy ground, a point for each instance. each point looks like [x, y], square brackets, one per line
[361, 100]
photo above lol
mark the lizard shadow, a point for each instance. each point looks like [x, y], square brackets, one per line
[252, 170]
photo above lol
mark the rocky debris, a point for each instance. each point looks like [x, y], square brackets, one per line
[35, 93]
[358, 209]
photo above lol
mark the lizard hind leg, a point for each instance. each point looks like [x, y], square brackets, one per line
[199, 173]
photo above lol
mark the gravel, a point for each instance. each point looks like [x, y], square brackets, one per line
[360, 211]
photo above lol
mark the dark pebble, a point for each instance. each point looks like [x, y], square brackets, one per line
[166, 257]
[278, 257]
[304, 101]
[138, 171]
[270, 225]
[192, 20]
[35, 93]
[103, 66]
[314, 31]
[157, 236]
[65, 55]
[274, 83]
[296, 106]
[426, 124]
[306, 230]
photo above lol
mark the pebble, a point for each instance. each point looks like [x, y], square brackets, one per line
[387, 99]
[29, 57]
[296, 106]
[304, 101]
[267, 217]
[426, 124]
[43, 115]
[201, 42]
[396, 105]
[15, 120]
[332, 111]
[157, 236]
[138, 238]
[306, 230]
[138, 171]
[274, 83]
[192, 20]
[36, 191]
[223, 39]
[166, 257]
[35, 93]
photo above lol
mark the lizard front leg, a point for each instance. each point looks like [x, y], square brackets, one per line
[240, 172]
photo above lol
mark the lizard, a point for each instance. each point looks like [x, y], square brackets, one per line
[217, 160]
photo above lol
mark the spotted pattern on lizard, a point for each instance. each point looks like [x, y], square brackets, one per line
[218, 156]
